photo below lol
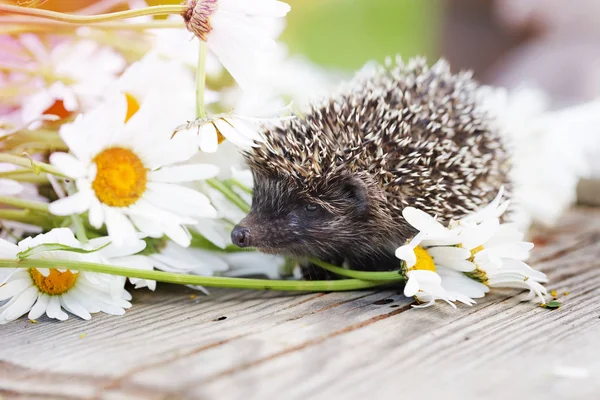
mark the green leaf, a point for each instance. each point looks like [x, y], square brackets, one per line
[153, 245]
[40, 248]
[553, 305]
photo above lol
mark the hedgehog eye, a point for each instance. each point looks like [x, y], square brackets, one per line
[311, 208]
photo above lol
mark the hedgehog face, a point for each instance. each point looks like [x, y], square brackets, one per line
[325, 221]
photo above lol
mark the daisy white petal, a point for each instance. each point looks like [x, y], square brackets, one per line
[54, 311]
[231, 132]
[8, 250]
[23, 303]
[214, 231]
[245, 129]
[119, 227]
[151, 212]
[67, 164]
[147, 226]
[9, 187]
[40, 306]
[109, 250]
[184, 173]
[493, 210]
[423, 222]
[208, 140]
[96, 214]
[407, 254]
[178, 234]
[479, 234]
[74, 204]
[70, 304]
[13, 287]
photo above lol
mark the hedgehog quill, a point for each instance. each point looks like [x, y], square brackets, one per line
[333, 183]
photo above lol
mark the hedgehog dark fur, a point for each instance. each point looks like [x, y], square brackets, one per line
[333, 183]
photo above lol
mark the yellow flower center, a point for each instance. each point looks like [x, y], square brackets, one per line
[424, 260]
[55, 283]
[132, 106]
[120, 177]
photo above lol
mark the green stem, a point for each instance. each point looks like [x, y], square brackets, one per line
[209, 281]
[27, 217]
[23, 175]
[36, 166]
[50, 24]
[14, 173]
[92, 19]
[362, 275]
[79, 228]
[230, 194]
[201, 81]
[28, 204]
[27, 178]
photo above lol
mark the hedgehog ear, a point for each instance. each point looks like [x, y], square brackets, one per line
[358, 190]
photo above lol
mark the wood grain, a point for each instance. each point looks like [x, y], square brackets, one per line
[242, 344]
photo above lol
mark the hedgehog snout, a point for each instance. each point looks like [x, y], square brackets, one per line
[240, 236]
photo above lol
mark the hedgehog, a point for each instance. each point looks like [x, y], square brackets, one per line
[332, 182]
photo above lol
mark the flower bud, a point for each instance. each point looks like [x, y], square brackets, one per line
[197, 17]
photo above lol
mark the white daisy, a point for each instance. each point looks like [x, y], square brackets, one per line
[498, 251]
[125, 172]
[459, 264]
[83, 68]
[212, 131]
[41, 290]
[152, 74]
[427, 282]
[238, 32]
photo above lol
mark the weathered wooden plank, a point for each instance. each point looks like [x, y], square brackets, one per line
[320, 345]
[161, 329]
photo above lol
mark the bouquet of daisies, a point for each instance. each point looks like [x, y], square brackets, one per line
[119, 136]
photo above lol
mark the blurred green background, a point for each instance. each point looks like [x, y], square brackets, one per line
[347, 33]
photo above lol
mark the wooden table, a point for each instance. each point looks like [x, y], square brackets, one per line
[371, 344]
